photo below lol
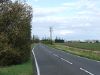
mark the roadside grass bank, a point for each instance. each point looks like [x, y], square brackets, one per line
[88, 46]
[83, 53]
[27, 68]
[32, 46]
[22, 69]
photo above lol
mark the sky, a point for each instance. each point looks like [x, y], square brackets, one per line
[70, 19]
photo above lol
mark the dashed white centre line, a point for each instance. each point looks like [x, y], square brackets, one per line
[63, 59]
[66, 61]
[55, 55]
[86, 71]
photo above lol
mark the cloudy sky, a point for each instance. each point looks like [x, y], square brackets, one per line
[70, 19]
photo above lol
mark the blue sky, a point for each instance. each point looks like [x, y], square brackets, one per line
[70, 19]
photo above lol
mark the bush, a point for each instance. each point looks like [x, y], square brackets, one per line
[9, 57]
[15, 33]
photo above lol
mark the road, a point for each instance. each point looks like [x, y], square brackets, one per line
[50, 61]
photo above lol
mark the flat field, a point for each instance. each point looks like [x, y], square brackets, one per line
[88, 46]
[88, 50]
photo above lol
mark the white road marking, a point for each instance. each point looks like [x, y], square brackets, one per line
[37, 67]
[55, 55]
[77, 55]
[86, 71]
[98, 61]
[82, 57]
[62, 59]
[66, 61]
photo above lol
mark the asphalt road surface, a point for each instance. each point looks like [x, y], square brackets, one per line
[50, 61]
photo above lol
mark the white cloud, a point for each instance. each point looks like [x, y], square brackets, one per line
[83, 24]
[41, 12]
[69, 4]
[82, 7]
[65, 32]
[64, 26]
[36, 0]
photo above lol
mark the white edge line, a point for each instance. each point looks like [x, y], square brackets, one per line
[37, 67]
[87, 59]
[66, 61]
[79, 56]
[98, 61]
[82, 57]
[86, 71]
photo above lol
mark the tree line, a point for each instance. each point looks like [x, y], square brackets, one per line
[15, 32]
[45, 40]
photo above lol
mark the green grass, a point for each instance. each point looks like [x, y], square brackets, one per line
[84, 53]
[32, 46]
[22, 69]
[88, 46]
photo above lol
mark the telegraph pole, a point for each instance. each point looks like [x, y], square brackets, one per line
[51, 34]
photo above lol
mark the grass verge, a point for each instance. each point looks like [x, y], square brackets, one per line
[84, 53]
[22, 69]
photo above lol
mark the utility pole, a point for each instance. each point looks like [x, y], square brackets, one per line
[51, 35]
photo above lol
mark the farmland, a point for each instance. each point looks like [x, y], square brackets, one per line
[87, 46]
[88, 50]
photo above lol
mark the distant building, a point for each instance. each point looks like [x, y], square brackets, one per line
[74, 41]
[92, 41]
